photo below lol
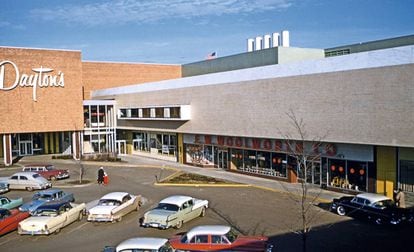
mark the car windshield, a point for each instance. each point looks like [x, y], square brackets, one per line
[231, 235]
[43, 197]
[384, 204]
[50, 168]
[109, 202]
[45, 212]
[36, 175]
[168, 207]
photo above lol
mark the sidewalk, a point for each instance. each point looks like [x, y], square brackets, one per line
[314, 191]
[258, 182]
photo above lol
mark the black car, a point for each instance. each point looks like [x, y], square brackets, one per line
[373, 207]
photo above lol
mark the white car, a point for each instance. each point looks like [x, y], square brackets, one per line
[51, 218]
[174, 211]
[142, 244]
[28, 181]
[112, 206]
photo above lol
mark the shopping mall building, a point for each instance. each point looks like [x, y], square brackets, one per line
[231, 112]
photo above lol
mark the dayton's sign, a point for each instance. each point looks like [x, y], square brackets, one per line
[41, 78]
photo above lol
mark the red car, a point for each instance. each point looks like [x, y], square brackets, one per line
[219, 238]
[47, 171]
[9, 219]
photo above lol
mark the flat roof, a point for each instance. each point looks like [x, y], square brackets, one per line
[363, 60]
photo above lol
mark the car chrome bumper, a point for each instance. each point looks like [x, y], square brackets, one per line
[100, 218]
[33, 232]
[154, 225]
[63, 176]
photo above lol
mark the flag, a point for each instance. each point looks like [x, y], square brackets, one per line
[212, 55]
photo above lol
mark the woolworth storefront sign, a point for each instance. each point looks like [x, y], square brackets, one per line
[40, 78]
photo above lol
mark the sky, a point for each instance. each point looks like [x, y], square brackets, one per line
[185, 31]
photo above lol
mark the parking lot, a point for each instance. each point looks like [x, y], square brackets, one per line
[251, 210]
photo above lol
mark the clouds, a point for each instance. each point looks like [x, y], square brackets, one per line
[145, 11]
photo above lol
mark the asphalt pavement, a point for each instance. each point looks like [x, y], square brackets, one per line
[313, 191]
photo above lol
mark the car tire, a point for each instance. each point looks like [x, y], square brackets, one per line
[203, 212]
[378, 221]
[80, 217]
[53, 178]
[340, 210]
[179, 225]
[57, 231]
[119, 219]
[30, 189]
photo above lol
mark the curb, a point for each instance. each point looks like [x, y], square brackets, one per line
[202, 185]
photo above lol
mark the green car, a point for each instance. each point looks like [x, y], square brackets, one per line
[10, 203]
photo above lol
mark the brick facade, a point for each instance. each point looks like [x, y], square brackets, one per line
[57, 108]
[101, 75]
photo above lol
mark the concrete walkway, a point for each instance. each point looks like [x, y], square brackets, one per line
[314, 192]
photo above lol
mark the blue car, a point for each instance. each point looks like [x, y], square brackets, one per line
[47, 196]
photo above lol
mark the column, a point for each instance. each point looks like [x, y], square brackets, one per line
[7, 150]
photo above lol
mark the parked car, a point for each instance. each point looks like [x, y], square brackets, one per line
[10, 203]
[46, 196]
[374, 207]
[27, 181]
[51, 218]
[4, 187]
[174, 211]
[47, 171]
[112, 206]
[219, 238]
[142, 244]
[9, 219]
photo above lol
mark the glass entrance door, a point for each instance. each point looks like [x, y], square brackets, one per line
[316, 172]
[25, 148]
[121, 147]
[222, 156]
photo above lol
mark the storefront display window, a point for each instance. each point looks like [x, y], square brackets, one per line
[337, 173]
[237, 158]
[279, 164]
[200, 155]
[351, 175]
[407, 175]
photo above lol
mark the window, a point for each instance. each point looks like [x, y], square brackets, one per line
[159, 112]
[14, 177]
[199, 239]
[146, 112]
[126, 198]
[134, 113]
[175, 112]
[218, 239]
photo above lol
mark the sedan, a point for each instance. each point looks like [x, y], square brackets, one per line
[112, 206]
[4, 187]
[219, 238]
[10, 203]
[374, 207]
[142, 244]
[174, 211]
[51, 218]
[47, 196]
[9, 219]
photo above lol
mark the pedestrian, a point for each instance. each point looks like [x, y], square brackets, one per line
[101, 174]
[400, 198]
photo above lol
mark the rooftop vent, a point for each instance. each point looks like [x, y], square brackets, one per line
[267, 41]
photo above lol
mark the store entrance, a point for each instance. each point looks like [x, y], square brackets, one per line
[222, 158]
[121, 147]
[25, 148]
[314, 173]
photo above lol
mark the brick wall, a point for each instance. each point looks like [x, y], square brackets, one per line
[56, 108]
[100, 75]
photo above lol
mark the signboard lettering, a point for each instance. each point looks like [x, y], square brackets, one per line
[41, 78]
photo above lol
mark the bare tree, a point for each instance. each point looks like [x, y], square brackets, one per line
[304, 151]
